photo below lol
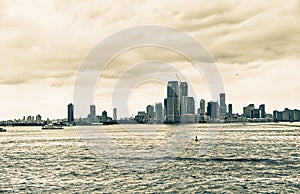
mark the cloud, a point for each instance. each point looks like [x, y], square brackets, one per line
[55, 35]
[44, 42]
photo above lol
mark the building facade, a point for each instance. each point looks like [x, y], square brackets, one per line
[173, 103]
[70, 113]
[223, 108]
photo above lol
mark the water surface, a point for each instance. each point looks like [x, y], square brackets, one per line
[244, 159]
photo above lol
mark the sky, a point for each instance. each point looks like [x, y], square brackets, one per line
[255, 45]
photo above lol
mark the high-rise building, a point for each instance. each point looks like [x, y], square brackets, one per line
[222, 105]
[29, 119]
[190, 105]
[158, 113]
[213, 110]
[262, 109]
[165, 107]
[150, 111]
[247, 110]
[115, 114]
[202, 107]
[104, 116]
[93, 110]
[183, 98]
[183, 105]
[70, 113]
[92, 115]
[183, 89]
[229, 110]
[173, 103]
[286, 114]
[38, 118]
[255, 113]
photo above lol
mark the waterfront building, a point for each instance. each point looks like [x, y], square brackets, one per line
[213, 110]
[115, 114]
[38, 118]
[255, 113]
[262, 109]
[286, 115]
[229, 110]
[183, 89]
[173, 103]
[92, 115]
[29, 119]
[183, 97]
[104, 116]
[190, 118]
[70, 113]
[165, 107]
[93, 110]
[247, 110]
[190, 105]
[202, 107]
[141, 117]
[158, 113]
[150, 111]
[183, 105]
[222, 105]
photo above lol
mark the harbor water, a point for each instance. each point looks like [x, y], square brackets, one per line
[241, 158]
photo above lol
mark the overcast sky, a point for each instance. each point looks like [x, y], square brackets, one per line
[255, 44]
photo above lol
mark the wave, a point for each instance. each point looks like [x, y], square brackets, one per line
[241, 160]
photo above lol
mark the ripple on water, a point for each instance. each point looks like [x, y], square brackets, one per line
[243, 159]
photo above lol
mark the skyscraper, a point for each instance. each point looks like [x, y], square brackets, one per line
[183, 89]
[38, 118]
[247, 110]
[92, 115]
[183, 97]
[104, 116]
[115, 114]
[229, 110]
[183, 105]
[213, 110]
[93, 110]
[262, 109]
[202, 107]
[190, 105]
[222, 105]
[158, 113]
[165, 107]
[173, 103]
[150, 111]
[70, 113]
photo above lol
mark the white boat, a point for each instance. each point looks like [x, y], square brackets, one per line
[51, 126]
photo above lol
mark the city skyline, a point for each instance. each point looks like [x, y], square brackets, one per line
[178, 90]
[255, 46]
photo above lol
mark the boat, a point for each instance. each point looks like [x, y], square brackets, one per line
[2, 129]
[51, 126]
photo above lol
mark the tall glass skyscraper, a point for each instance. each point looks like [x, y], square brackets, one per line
[190, 105]
[183, 98]
[202, 107]
[158, 113]
[70, 113]
[213, 109]
[173, 103]
[183, 89]
[230, 110]
[115, 114]
[223, 108]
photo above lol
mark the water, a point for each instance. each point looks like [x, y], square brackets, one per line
[244, 159]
